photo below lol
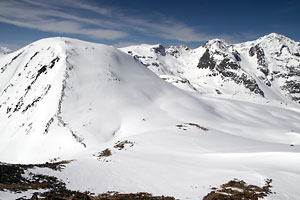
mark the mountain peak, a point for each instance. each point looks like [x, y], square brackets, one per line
[43, 84]
[215, 41]
[217, 44]
[159, 49]
[275, 38]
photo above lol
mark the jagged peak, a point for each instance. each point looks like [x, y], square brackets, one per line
[159, 49]
[177, 49]
[215, 41]
[216, 44]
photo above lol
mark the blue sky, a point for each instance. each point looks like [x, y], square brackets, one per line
[126, 22]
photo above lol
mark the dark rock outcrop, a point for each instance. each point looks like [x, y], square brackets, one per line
[206, 61]
[159, 50]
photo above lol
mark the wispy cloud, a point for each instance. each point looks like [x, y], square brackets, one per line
[51, 18]
[76, 17]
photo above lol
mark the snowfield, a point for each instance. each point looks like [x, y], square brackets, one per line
[67, 99]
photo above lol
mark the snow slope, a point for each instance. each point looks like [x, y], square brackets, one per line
[68, 99]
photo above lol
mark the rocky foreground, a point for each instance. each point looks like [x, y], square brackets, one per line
[18, 178]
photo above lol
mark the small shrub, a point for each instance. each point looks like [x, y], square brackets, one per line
[238, 189]
[197, 126]
[121, 145]
[185, 126]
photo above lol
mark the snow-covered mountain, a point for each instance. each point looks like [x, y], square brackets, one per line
[65, 99]
[268, 67]
[63, 94]
[4, 50]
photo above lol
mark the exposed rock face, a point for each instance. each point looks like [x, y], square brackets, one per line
[278, 59]
[206, 61]
[223, 61]
[261, 62]
[176, 50]
[260, 55]
[159, 50]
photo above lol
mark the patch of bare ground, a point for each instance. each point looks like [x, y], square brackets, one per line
[12, 177]
[131, 196]
[239, 190]
[121, 145]
[184, 126]
[75, 195]
[105, 153]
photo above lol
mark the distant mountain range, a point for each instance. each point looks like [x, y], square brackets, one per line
[268, 67]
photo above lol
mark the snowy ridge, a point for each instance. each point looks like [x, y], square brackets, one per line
[65, 99]
[267, 67]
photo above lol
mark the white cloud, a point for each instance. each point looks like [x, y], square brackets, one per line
[48, 18]
[70, 17]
